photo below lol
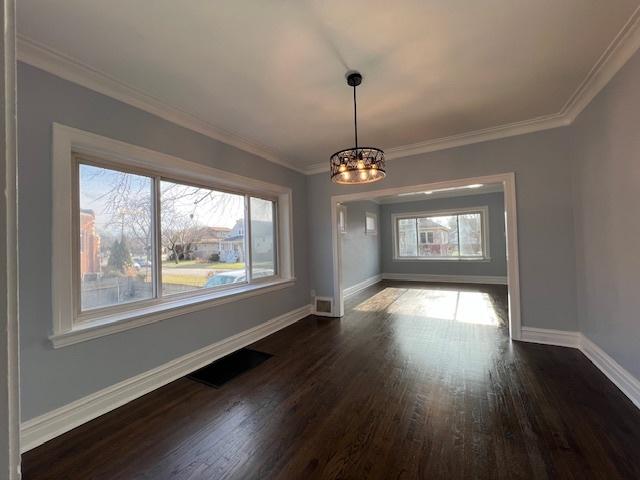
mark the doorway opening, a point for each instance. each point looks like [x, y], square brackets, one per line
[460, 231]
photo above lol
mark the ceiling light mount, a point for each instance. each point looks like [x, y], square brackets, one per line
[357, 164]
[354, 78]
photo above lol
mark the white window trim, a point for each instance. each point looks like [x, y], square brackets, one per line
[375, 220]
[68, 142]
[486, 250]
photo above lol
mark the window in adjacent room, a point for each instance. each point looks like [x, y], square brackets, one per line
[371, 223]
[451, 235]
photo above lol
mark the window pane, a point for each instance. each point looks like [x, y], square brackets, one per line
[370, 223]
[263, 251]
[115, 237]
[407, 237]
[202, 235]
[470, 235]
[440, 236]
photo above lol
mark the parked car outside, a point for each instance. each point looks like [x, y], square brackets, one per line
[227, 278]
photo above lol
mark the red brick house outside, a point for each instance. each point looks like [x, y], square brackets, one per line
[89, 243]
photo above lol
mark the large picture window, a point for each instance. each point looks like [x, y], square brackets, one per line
[140, 236]
[144, 237]
[450, 235]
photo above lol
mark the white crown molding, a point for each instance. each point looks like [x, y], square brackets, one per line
[38, 430]
[68, 68]
[619, 51]
[493, 133]
[623, 46]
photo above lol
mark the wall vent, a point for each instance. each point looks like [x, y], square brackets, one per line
[323, 305]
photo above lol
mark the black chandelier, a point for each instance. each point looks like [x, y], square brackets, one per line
[357, 164]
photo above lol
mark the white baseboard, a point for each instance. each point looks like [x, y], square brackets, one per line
[621, 378]
[38, 430]
[627, 383]
[546, 336]
[426, 277]
[358, 287]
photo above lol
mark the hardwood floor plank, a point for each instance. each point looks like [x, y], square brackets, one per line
[415, 381]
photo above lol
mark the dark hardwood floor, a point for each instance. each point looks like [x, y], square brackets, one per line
[416, 381]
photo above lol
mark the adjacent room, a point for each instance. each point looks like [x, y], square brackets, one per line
[449, 242]
[320, 240]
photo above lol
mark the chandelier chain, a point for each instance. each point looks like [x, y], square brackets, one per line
[355, 115]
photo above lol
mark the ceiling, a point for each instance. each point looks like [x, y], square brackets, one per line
[269, 76]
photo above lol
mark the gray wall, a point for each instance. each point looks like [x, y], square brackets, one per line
[542, 166]
[51, 378]
[598, 157]
[606, 159]
[363, 258]
[497, 266]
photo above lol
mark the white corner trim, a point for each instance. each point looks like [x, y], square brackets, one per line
[625, 381]
[352, 290]
[545, 336]
[38, 430]
[426, 277]
[621, 378]
[71, 69]
[619, 51]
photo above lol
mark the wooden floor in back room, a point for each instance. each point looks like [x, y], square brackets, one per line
[415, 381]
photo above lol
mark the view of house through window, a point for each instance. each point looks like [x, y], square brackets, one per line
[202, 236]
[458, 235]
[115, 237]
[263, 252]
[201, 244]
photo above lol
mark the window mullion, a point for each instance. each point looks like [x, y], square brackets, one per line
[458, 234]
[247, 238]
[277, 268]
[157, 239]
[417, 238]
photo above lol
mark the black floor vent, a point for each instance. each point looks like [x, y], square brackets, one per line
[227, 368]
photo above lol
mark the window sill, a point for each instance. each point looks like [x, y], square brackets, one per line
[138, 317]
[435, 259]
